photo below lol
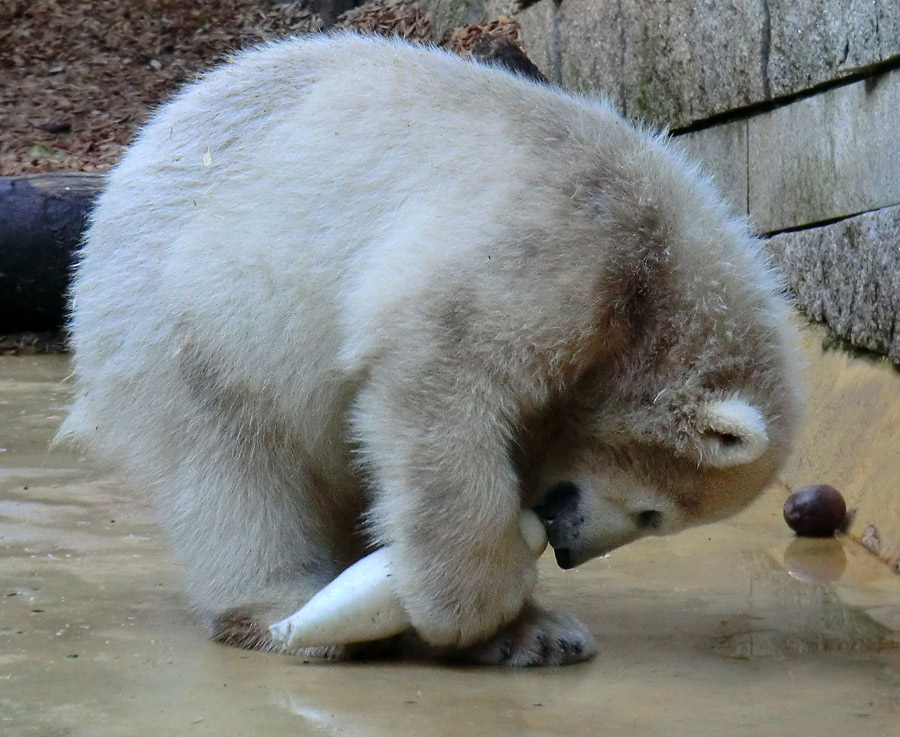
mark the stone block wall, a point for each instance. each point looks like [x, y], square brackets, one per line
[680, 62]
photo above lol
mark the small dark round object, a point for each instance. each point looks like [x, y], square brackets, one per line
[815, 511]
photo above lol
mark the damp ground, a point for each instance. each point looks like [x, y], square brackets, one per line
[734, 629]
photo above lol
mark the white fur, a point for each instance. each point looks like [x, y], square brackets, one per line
[344, 280]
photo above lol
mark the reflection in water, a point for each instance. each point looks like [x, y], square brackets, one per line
[327, 720]
[800, 612]
[818, 560]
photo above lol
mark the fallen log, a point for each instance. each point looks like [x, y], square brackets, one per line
[42, 219]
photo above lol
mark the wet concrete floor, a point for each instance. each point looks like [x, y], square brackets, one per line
[733, 629]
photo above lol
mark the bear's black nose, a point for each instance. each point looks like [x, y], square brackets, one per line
[561, 500]
[563, 558]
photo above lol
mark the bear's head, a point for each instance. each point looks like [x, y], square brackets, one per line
[688, 415]
[621, 474]
[682, 430]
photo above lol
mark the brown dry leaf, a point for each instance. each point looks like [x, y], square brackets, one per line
[463, 39]
[80, 77]
[389, 18]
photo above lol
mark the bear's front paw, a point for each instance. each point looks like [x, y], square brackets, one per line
[468, 615]
[455, 601]
[536, 637]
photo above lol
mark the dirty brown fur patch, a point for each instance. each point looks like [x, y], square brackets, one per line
[237, 627]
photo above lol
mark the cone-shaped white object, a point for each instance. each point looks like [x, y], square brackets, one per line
[360, 604]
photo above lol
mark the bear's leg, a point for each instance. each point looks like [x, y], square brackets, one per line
[258, 529]
[253, 554]
[435, 439]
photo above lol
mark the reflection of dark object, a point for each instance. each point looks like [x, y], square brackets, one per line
[815, 561]
[815, 511]
[500, 50]
[42, 218]
[29, 344]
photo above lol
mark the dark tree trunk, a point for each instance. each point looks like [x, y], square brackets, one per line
[42, 220]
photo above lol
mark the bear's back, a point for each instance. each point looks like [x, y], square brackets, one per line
[322, 176]
[276, 208]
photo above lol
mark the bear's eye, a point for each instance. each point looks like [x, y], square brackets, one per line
[649, 519]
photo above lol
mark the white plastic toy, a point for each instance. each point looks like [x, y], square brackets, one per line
[361, 605]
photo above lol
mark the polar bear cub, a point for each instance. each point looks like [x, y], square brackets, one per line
[345, 292]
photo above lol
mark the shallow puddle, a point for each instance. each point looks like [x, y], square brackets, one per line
[733, 629]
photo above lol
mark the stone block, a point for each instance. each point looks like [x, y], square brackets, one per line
[686, 61]
[678, 62]
[590, 43]
[827, 156]
[539, 37]
[811, 42]
[446, 15]
[669, 63]
[721, 152]
[847, 275]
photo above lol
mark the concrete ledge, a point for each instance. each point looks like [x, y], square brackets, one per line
[811, 42]
[685, 61]
[589, 40]
[538, 29]
[825, 157]
[722, 153]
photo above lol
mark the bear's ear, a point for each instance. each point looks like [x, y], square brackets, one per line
[731, 432]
